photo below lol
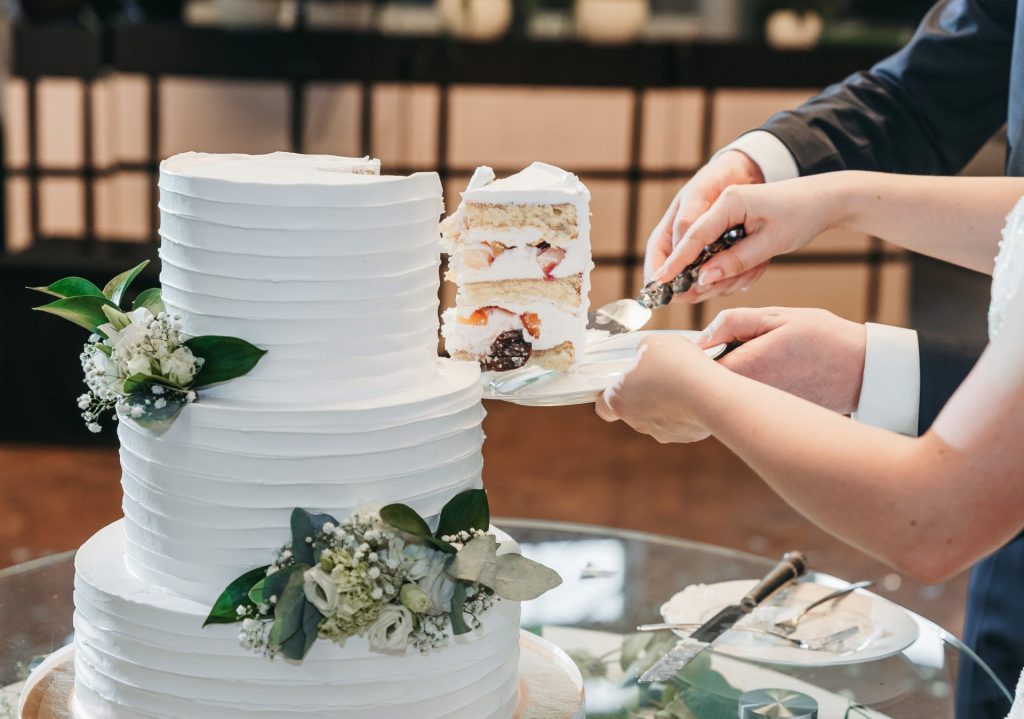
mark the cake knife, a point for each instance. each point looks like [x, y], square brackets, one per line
[630, 315]
[792, 566]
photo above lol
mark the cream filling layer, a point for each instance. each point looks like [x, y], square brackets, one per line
[556, 327]
[478, 262]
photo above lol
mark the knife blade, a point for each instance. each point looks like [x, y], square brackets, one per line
[792, 566]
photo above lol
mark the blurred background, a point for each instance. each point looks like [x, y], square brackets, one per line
[632, 95]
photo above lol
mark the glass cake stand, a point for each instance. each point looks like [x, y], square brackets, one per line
[614, 580]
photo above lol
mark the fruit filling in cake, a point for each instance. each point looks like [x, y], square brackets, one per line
[519, 251]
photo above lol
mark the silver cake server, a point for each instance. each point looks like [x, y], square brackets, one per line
[630, 315]
[792, 566]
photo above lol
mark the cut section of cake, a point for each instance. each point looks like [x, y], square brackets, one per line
[519, 252]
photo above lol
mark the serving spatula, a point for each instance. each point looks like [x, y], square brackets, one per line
[792, 566]
[630, 315]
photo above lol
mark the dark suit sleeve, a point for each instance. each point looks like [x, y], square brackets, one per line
[926, 109]
[945, 363]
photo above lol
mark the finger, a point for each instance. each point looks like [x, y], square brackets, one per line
[723, 213]
[733, 284]
[603, 409]
[659, 244]
[742, 325]
[753, 251]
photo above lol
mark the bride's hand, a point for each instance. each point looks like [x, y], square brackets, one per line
[779, 217]
[653, 395]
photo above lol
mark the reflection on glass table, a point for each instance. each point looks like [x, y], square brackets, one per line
[613, 581]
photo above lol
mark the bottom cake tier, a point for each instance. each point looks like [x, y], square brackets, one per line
[143, 653]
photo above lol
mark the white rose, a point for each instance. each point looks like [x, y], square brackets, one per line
[417, 558]
[321, 591]
[138, 364]
[438, 585]
[390, 633]
[414, 598]
[179, 367]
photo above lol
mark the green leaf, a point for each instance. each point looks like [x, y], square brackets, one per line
[296, 620]
[152, 299]
[70, 287]
[465, 511]
[117, 319]
[457, 616]
[224, 358]
[84, 310]
[274, 584]
[306, 524]
[116, 288]
[139, 381]
[520, 579]
[237, 593]
[406, 519]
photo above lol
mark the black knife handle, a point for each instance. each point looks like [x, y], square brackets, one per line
[792, 566]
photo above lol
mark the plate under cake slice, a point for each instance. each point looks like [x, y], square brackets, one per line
[519, 252]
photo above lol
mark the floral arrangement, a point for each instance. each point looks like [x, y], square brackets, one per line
[138, 361]
[380, 574]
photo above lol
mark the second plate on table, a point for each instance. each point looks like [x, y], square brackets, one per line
[885, 629]
[603, 362]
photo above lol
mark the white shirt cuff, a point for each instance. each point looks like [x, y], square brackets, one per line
[890, 394]
[768, 152]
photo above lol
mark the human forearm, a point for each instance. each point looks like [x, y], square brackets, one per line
[875, 490]
[956, 219]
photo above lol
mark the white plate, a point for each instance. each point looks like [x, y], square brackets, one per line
[885, 628]
[604, 360]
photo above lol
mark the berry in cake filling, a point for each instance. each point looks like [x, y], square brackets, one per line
[509, 351]
[483, 254]
[504, 320]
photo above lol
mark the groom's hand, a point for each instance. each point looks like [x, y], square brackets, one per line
[692, 201]
[811, 353]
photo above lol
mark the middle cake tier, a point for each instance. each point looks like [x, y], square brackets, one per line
[212, 495]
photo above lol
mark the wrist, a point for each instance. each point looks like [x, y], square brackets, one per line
[842, 198]
[743, 169]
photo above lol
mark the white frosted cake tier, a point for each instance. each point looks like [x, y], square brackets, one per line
[330, 267]
[213, 494]
[143, 654]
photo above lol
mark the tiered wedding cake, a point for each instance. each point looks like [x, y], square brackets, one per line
[333, 269]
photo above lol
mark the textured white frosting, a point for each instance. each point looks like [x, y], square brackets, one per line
[143, 654]
[334, 273]
[214, 493]
[540, 183]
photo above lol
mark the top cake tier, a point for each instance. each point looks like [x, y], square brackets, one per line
[320, 260]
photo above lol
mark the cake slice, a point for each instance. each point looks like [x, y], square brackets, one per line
[519, 252]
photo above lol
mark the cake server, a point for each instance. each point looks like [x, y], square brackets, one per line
[792, 566]
[630, 315]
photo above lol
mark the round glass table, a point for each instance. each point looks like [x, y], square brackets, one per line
[614, 580]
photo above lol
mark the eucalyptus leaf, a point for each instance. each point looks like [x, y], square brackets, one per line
[296, 620]
[224, 358]
[633, 646]
[477, 561]
[275, 583]
[520, 579]
[307, 524]
[70, 287]
[465, 511]
[151, 299]
[225, 609]
[85, 310]
[116, 288]
[457, 613]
